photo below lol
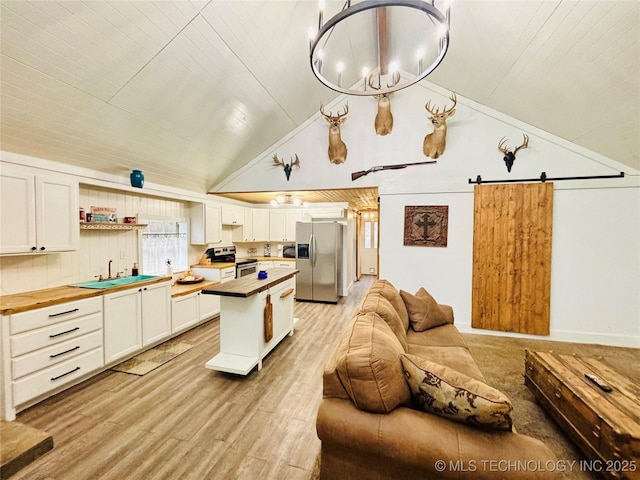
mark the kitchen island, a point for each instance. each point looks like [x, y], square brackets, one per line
[255, 315]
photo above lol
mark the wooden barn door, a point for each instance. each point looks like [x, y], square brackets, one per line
[512, 257]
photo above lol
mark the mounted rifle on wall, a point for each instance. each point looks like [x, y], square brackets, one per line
[362, 173]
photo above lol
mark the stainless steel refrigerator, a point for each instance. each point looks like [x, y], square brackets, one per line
[319, 259]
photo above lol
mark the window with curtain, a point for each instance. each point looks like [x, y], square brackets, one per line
[164, 241]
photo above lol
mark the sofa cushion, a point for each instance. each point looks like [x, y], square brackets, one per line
[446, 392]
[375, 302]
[370, 368]
[442, 336]
[424, 312]
[456, 358]
[388, 291]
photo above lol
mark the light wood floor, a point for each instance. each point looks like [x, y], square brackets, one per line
[183, 421]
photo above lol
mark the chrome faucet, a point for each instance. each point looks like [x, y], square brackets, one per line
[110, 262]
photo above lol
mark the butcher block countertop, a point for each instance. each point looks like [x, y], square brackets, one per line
[180, 289]
[23, 302]
[251, 284]
[218, 266]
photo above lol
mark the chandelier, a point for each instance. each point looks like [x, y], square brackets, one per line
[287, 200]
[374, 47]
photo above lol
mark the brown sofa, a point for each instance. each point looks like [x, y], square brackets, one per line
[370, 423]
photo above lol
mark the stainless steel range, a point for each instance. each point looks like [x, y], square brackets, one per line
[244, 266]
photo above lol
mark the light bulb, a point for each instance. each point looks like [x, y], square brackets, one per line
[320, 54]
[442, 30]
[420, 53]
[321, 4]
[393, 67]
[296, 201]
[312, 32]
[280, 199]
[365, 72]
[339, 67]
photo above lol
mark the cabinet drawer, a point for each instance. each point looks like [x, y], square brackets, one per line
[44, 337]
[58, 375]
[227, 273]
[284, 264]
[41, 317]
[60, 352]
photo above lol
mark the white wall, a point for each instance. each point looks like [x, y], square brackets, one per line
[596, 238]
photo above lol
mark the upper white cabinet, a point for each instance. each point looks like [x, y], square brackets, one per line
[255, 227]
[282, 225]
[232, 215]
[38, 214]
[205, 224]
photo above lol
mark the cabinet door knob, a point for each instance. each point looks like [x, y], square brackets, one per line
[33, 248]
[41, 248]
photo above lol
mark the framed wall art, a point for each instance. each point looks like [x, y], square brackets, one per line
[426, 226]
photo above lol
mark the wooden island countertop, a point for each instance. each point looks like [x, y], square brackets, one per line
[251, 284]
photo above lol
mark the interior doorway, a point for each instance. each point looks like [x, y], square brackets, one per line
[368, 242]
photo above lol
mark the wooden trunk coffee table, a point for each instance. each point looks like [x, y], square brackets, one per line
[605, 425]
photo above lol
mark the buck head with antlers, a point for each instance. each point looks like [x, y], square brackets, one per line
[435, 142]
[509, 156]
[337, 148]
[384, 118]
[287, 166]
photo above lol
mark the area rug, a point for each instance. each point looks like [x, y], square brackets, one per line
[152, 358]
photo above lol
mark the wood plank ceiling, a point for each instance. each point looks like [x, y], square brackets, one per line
[190, 91]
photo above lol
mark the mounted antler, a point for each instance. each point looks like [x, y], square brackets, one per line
[337, 148]
[435, 142]
[384, 118]
[287, 167]
[509, 156]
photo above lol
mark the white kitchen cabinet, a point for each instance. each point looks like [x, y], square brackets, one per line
[189, 310]
[184, 312]
[156, 312]
[232, 215]
[284, 264]
[134, 318]
[260, 225]
[38, 214]
[122, 324]
[208, 306]
[282, 225]
[206, 226]
[264, 265]
[48, 349]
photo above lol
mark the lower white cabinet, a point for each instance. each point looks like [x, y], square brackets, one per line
[284, 264]
[189, 310]
[47, 349]
[135, 318]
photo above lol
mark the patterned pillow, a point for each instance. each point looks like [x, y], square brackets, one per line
[424, 311]
[446, 392]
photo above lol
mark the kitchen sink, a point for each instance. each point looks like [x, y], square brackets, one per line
[114, 282]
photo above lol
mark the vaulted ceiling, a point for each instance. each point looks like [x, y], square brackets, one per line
[190, 91]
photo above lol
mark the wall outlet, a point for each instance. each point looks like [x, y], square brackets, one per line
[372, 270]
[123, 254]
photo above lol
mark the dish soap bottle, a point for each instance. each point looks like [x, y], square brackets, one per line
[134, 270]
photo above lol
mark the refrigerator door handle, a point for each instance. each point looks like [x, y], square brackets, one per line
[312, 242]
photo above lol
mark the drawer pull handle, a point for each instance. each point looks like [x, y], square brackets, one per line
[596, 433]
[66, 351]
[557, 393]
[64, 333]
[65, 374]
[286, 293]
[63, 313]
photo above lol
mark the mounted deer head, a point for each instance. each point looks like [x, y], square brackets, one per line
[435, 142]
[384, 118]
[509, 157]
[287, 166]
[337, 148]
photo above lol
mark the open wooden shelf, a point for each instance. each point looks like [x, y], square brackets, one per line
[111, 226]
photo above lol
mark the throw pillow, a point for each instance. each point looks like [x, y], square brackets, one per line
[441, 390]
[370, 368]
[424, 311]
